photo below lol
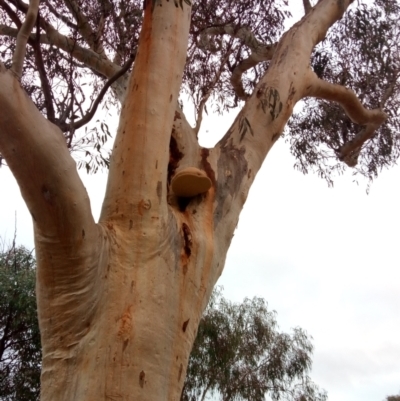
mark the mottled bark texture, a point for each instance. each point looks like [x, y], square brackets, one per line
[120, 301]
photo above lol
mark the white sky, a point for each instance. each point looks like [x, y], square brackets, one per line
[326, 259]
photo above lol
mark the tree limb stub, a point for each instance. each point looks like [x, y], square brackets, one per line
[23, 36]
[307, 6]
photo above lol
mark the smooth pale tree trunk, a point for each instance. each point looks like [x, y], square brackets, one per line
[120, 300]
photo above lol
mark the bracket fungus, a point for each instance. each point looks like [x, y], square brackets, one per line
[190, 182]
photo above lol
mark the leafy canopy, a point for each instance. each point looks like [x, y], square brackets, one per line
[239, 354]
[362, 52]
[78, 45]
[20, 350]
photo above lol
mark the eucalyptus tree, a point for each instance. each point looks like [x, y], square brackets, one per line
[119, 300]
[393, 398]
[20, 352]
[240, 354]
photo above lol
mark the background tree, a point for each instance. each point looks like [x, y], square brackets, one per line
[238, 350]
[120, 300]
[239, 354]
[393, 398]
[20, 351]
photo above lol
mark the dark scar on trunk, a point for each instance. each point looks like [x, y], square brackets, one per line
[175, 156]
[184, 326]
[142, 375]
[187, 238]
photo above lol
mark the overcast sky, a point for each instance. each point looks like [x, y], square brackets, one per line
[326, 259]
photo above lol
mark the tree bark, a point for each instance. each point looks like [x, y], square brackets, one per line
[120, 301]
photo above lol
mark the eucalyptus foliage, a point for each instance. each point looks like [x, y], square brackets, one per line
[361, 52]
[20, 350]
[240, 354]
[393, 398]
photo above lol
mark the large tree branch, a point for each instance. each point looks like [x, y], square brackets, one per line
[147, 115]
[262, 54]
[83, 25]
[36, 152]
[307, 6]
[39, 59]
[352, 106]
[23, 36]
[347, 99]
[86, 56]
[68, 44]
[239, 155]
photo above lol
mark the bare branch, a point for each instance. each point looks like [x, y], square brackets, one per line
[307, 6]
[42, 74]
[11, 13]
[242, 33]
[349, 152]
[86, 56]
[203, 102]
[371, 119]
[84, 28]
[91, 113]
[347, 99]
[62, 17]
[23, 36]
[256, 57]
[389, 90]
[259, 51]
[38, 57]
[47, 164]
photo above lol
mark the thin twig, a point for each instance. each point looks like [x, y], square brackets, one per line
[84, 28]
[84, 120]
[259, 51]
[47, 93]
[203, 101]
[62, 17]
